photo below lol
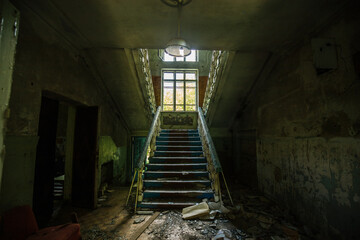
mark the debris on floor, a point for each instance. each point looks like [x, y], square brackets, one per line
[223, 235]
[252, 217]
[96, 233]
[145, 212]
[139, 220]
[196, 211]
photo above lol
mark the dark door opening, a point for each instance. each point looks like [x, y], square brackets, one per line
[85, 158]
[60, 155]
[45, 157]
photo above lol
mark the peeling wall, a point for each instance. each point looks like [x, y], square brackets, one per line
[178, 120]
[45, 63]
[308, 134]
[8, 15]
[108, 151]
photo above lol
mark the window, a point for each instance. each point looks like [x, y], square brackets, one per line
[179, 90]
[193, 57]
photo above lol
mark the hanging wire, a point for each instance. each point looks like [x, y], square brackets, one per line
[179, 18]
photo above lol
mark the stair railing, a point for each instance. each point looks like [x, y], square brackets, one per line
[150, 144]
[214, 165]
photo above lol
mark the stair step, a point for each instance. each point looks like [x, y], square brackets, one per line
[178, 148]
[165, 205]
[178, 143]
[200, 194]
[177, 160]
[176, 166]
[179, 134]
[178, 153]
[176, 175]
[179, 130]
[177, 184]
[167, 138]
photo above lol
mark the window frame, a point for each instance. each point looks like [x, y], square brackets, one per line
[162, 57]
[174, 71]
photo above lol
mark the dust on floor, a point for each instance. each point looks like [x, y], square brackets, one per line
[252, 217]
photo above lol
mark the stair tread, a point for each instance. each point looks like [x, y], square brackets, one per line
[178, 191]
[178, 181]
[179, 151]
[179, 130]
[187, 137]
[176, 164]
[182, 171]
[170, 202]
[179, 141]
[162, 157]
[176, 146]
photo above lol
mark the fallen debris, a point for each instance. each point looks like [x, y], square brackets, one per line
[196, 211]
[223, 234]
[145, 212]
[139, 220]
[143, 227]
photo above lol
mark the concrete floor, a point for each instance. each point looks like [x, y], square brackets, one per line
[252, 217]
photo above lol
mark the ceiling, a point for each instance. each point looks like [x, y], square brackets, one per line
[251, 29]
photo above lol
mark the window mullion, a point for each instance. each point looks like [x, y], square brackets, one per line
[184, 93]
[174, 91]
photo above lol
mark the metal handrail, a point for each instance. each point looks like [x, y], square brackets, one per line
[141, 159]
[213, 154]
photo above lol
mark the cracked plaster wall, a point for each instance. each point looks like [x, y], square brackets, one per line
[308, 135]
[45, 62]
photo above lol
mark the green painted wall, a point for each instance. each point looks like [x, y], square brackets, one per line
[8, 40]
[18, 175]
[109, 151]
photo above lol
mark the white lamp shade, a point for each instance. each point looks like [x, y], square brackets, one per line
[177, 47]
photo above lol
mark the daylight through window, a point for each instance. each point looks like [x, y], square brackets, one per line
[179, 90]
[193, 57]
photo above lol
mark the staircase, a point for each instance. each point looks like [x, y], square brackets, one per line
[176, 176]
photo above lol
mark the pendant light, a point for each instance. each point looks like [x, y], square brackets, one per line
[177, 47]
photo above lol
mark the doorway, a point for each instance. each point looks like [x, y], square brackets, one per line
[86, 154]
[57, 131]
[45, 161]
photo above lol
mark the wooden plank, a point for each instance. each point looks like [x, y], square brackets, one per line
[144, 226]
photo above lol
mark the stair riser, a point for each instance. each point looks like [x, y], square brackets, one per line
[164, 205]
[175, 168]
[182, 185]
[169, 161]
[177, 154]
[179, 134]
[178, 139]
[179, 148]
[178, 176]
[178, 195]
[178, 143]
[178, 131]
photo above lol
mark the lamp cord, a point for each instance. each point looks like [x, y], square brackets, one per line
[179, 17]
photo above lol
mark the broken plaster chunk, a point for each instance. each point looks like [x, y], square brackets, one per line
[223, 234]
[145, 212]
[195, 211]
[139, 220]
